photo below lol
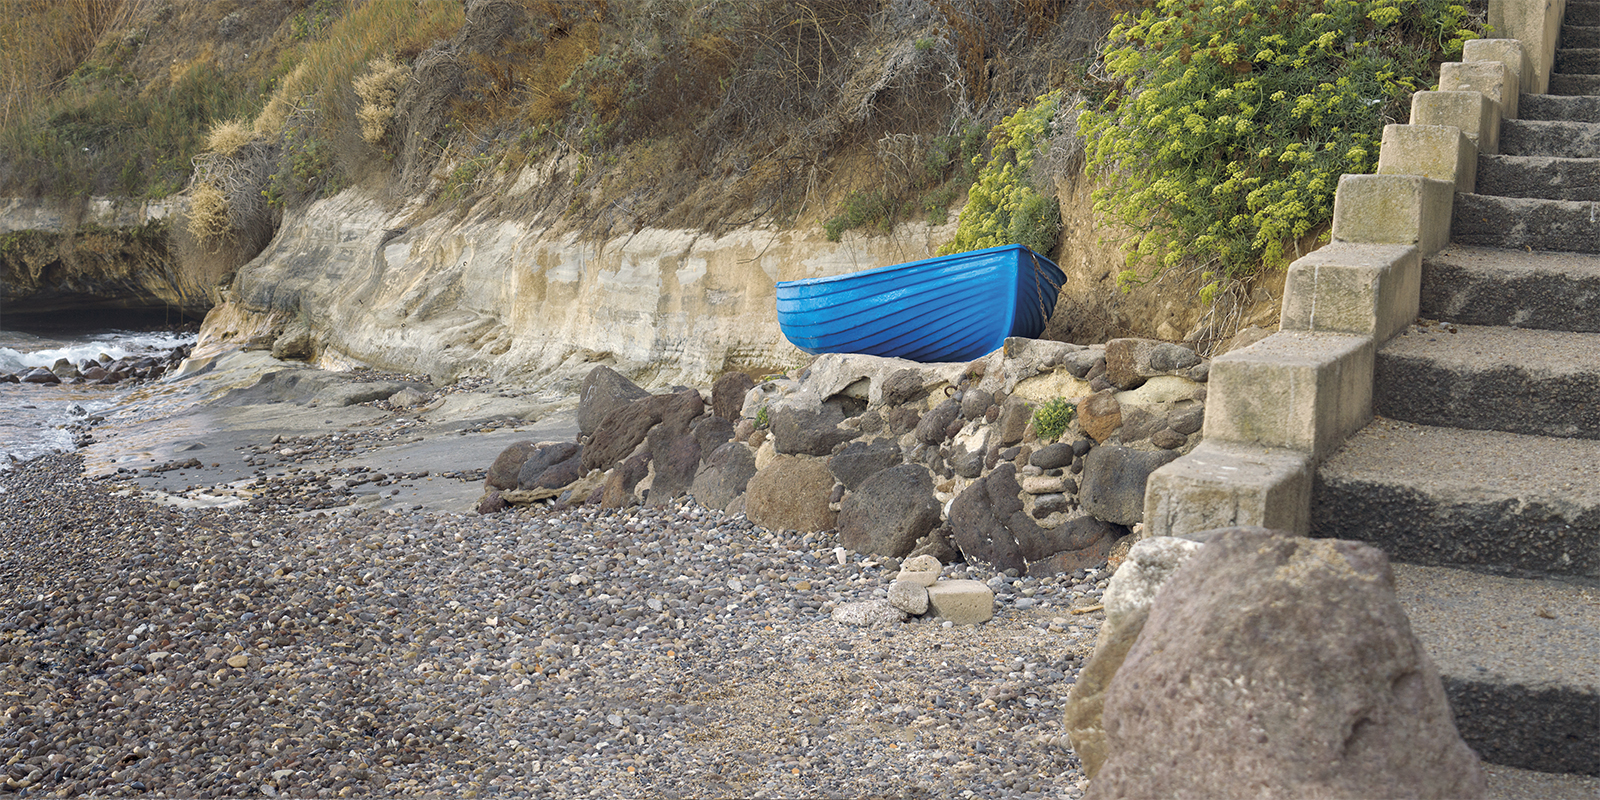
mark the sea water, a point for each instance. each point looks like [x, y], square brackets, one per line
[36, 419]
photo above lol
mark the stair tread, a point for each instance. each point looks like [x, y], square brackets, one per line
[1493, 286]
[1487, 625]
[1520, 662]
[1571, 226]
[1472, 465]
[1511, 783]
[1537, 352]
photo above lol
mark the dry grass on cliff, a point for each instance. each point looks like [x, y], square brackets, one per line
[43, 41]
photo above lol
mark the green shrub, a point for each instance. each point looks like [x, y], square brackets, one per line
[1051, 419]
[1232, 121]
[861, 209]
[1003, 205]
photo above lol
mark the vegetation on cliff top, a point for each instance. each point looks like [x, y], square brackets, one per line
[1227, 125]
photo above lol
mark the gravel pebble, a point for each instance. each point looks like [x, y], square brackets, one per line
[671, 651]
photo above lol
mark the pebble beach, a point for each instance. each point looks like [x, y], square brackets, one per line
[265, 649]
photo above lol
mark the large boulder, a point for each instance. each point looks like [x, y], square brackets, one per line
[625, 427]
[799, 431]
[1278, 666]
[1147, 566]
[503, 473]
[989, 522]
[890, 512]
[711, 431]
[860, 460]
[1114, 480]
[604, 390]
[727, 394]
[540, 460]
[675, 452]
[791, 493]
[725, 475]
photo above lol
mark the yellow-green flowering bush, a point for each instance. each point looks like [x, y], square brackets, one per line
[1003, 205]
[1231, 122]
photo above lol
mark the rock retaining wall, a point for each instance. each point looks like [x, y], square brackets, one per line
[901, 458]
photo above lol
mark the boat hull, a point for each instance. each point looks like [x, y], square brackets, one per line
[951, 308]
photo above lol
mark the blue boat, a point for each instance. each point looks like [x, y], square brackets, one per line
[952, 308]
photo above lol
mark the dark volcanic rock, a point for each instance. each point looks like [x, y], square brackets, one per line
[504, 472]
[625, 427]
[676, 455]
[604, 390]
[1052, 456]
[935, 425]
[1279, 666]
[1114, 479]
[861, 460]
[618, 489]
[890, 512]
[725, 475]
[902, 387]
[980, 517]
[536, 462]
[712, 431]
[727, 394]
[803, 432]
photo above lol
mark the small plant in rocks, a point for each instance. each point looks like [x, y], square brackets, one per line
[1051, 419]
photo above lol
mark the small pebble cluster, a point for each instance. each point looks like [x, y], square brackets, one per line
[667, 651]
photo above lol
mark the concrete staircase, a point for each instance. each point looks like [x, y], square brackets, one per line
[1480, 474]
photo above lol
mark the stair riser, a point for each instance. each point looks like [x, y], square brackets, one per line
[1556, 107]
[1504, 398]
[1579, 14]
[1555, 302]
[1574, 84]
[1548, 730]
[1577, 61]
[1526, 176]
[1579, 36]
[1530, 537]
[1552, 139]
[1520, 224]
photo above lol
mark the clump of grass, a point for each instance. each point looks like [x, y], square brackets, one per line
[208, 220]
[378, 89]
[227, 138]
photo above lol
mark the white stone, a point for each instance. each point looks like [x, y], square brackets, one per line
[871, 613]
[909, 597]
[962, 602]
[1149, 564]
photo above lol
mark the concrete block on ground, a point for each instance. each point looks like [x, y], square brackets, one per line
[1393, 209]
[1506, 51]
[1441, 152]
[1222, 485]
[1292, 390]
[1477, 116]
[1362, 289]
[1494, 79]
[961, 602]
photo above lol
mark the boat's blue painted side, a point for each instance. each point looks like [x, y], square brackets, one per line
[951, 308]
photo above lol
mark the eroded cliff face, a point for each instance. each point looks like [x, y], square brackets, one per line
[470, 293]
[104, 253]
[514, 300]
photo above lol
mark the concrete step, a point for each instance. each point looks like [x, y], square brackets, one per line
[1542, 383]
[1580, 36]
[1539, 176]
[1572, 60]
[1581, 14]
[1554, 138]
[1485, 286]
[1517, 505]
[1520, 661]
[1556, 107]
[1574, 84]
[1523, 223]
[1510, 783]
